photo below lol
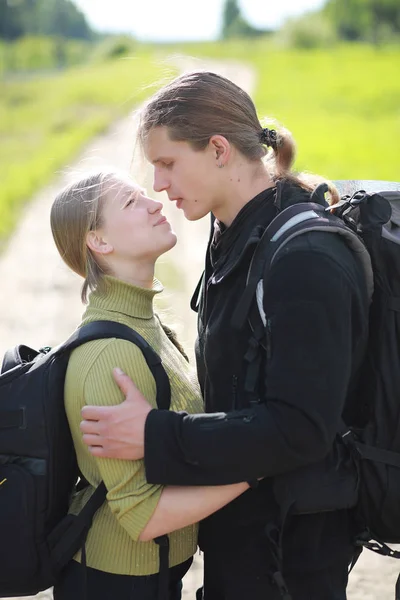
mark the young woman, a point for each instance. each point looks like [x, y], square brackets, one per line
[108, 231]
[211, 154]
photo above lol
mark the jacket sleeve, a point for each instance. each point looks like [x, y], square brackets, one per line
[309, 303]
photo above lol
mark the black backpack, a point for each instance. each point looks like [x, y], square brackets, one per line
[370, 224]
[38, 467]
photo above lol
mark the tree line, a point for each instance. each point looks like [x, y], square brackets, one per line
[369, 20]
[354, 20]
[42, 17]
[351, 20]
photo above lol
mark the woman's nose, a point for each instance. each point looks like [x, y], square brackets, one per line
[154, 206]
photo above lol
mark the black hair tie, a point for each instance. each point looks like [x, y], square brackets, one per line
[269, 137]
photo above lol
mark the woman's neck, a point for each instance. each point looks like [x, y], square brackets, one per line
[140, 275]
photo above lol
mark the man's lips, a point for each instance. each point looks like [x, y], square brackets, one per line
[178, 201]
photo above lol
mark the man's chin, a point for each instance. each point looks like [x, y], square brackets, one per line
[193, 215]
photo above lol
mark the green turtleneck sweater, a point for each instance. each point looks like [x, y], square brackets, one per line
[112, 544]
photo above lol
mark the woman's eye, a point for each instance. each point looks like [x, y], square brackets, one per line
[131, 200]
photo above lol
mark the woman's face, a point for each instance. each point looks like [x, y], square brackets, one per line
[132, 223]
[190, 177]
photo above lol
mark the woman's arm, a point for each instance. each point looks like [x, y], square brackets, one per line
[182, 506]
[144, 510]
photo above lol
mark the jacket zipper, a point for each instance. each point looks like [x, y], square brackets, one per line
[234, 391]
[268, 330]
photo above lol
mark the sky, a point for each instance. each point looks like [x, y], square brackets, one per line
[183, 20]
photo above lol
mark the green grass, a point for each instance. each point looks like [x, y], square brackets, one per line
[35, 53]
[45, 121]
[342, 104]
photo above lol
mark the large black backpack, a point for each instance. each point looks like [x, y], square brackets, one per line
[38, 468]
[368, 217]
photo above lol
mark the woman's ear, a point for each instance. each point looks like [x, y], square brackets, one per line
[98, 244]
[221, 149]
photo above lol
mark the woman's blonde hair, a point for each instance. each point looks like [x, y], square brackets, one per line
[198, 105]
[76, 210]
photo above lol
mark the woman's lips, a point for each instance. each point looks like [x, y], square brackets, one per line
[161, 221]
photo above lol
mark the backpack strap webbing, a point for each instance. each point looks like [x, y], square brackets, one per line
[72, 528]
[163, 582]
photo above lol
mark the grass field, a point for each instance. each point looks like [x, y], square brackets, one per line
[343, 108]
[34, 53]
[342, 105]
[45, 120]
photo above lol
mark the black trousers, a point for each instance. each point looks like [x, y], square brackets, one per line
[108, 586]
[223, 581]
[315, 552]
[246, 571]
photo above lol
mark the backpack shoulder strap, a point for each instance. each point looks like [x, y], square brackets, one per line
[79, 525]
[289, 224]
[328, 222]
[109, 329]
[269, 243]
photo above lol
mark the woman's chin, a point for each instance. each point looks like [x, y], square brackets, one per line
[169, 244]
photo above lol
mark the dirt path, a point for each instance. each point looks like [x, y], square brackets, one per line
[39, 300]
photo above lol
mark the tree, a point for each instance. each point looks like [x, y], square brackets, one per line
[229, 16]
[11, 22]
[234, 24]
[364, 19]
[42, 17]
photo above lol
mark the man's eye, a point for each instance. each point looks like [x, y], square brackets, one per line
[168, 165]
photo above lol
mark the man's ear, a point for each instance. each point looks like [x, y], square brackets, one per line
[221, 149]
[98, 244]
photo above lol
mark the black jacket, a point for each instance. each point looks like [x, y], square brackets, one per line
[316, 303]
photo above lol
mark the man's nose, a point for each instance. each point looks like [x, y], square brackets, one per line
[160, 183]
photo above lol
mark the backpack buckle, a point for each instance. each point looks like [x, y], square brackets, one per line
[252, 350]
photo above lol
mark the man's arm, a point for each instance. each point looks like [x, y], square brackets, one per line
[309, 301]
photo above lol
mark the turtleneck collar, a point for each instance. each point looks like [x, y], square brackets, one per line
[121, 297]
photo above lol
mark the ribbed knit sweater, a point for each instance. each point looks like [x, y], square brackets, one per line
[112, 544]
